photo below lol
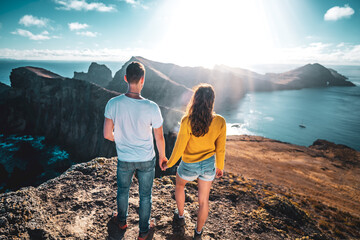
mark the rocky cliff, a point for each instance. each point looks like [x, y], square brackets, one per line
[68, 112]
[97, 73]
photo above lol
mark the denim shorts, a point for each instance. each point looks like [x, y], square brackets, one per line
[204, 170]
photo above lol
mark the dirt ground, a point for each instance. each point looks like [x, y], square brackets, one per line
[321, 174]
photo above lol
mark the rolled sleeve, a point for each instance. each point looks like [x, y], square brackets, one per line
[108, 111]
[157, 119]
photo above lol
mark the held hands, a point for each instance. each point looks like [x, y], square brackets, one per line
[219, 173]
[163, 163]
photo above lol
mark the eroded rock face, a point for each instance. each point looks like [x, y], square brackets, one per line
[78, 205]
[68, 112]
[97, 73]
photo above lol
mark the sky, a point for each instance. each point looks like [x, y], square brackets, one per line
[185, 32]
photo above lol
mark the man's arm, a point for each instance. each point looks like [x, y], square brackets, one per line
[160, 144]
[108, 129]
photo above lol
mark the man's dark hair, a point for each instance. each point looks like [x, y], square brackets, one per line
[134, 72]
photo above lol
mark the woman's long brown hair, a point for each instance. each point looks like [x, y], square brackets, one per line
[200, 109]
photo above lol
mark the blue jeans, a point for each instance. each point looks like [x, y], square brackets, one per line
[145, 172]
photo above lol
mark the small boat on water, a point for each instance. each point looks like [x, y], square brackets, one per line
[302, 126]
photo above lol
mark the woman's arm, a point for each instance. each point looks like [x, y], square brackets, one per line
[220, 146]
[180, 144]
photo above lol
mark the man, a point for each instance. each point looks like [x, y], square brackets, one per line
[129, 120]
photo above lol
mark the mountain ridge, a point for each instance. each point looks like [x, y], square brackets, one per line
[230, 84]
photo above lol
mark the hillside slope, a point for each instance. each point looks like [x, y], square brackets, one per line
[78, 205]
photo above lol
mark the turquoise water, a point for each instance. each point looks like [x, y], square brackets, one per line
[29, 161]
[328, 113]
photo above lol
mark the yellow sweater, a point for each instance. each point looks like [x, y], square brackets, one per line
[195, 149]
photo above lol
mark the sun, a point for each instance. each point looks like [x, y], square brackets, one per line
[205, 33]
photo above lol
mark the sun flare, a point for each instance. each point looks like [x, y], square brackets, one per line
[211, 32]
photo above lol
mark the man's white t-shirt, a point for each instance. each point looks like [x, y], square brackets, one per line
[133, 122]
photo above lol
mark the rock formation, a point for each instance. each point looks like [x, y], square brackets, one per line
[68, 112]
[97, 73]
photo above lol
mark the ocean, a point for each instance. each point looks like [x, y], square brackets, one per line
[330, 113]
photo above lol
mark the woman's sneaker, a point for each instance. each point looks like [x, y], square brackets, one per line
[197, 236]
[180, 221]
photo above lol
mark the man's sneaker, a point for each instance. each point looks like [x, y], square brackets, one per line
[197, 236]
[180, 221]
[120, 224]
[150, 232]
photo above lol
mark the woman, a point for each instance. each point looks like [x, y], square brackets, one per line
[202, 136]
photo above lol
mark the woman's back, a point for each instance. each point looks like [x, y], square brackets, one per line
[195, 149]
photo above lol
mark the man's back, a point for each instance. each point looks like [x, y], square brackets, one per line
[133, 122]
[129, 120]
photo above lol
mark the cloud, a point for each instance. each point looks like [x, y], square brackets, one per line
[316, 52]
[29, 20]
[80, 5]
[77, 26]
[319, 45]
[324, 53]
[136, 3]
[87, 34]
[336, 13]
[96, 54]
[42, 36]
